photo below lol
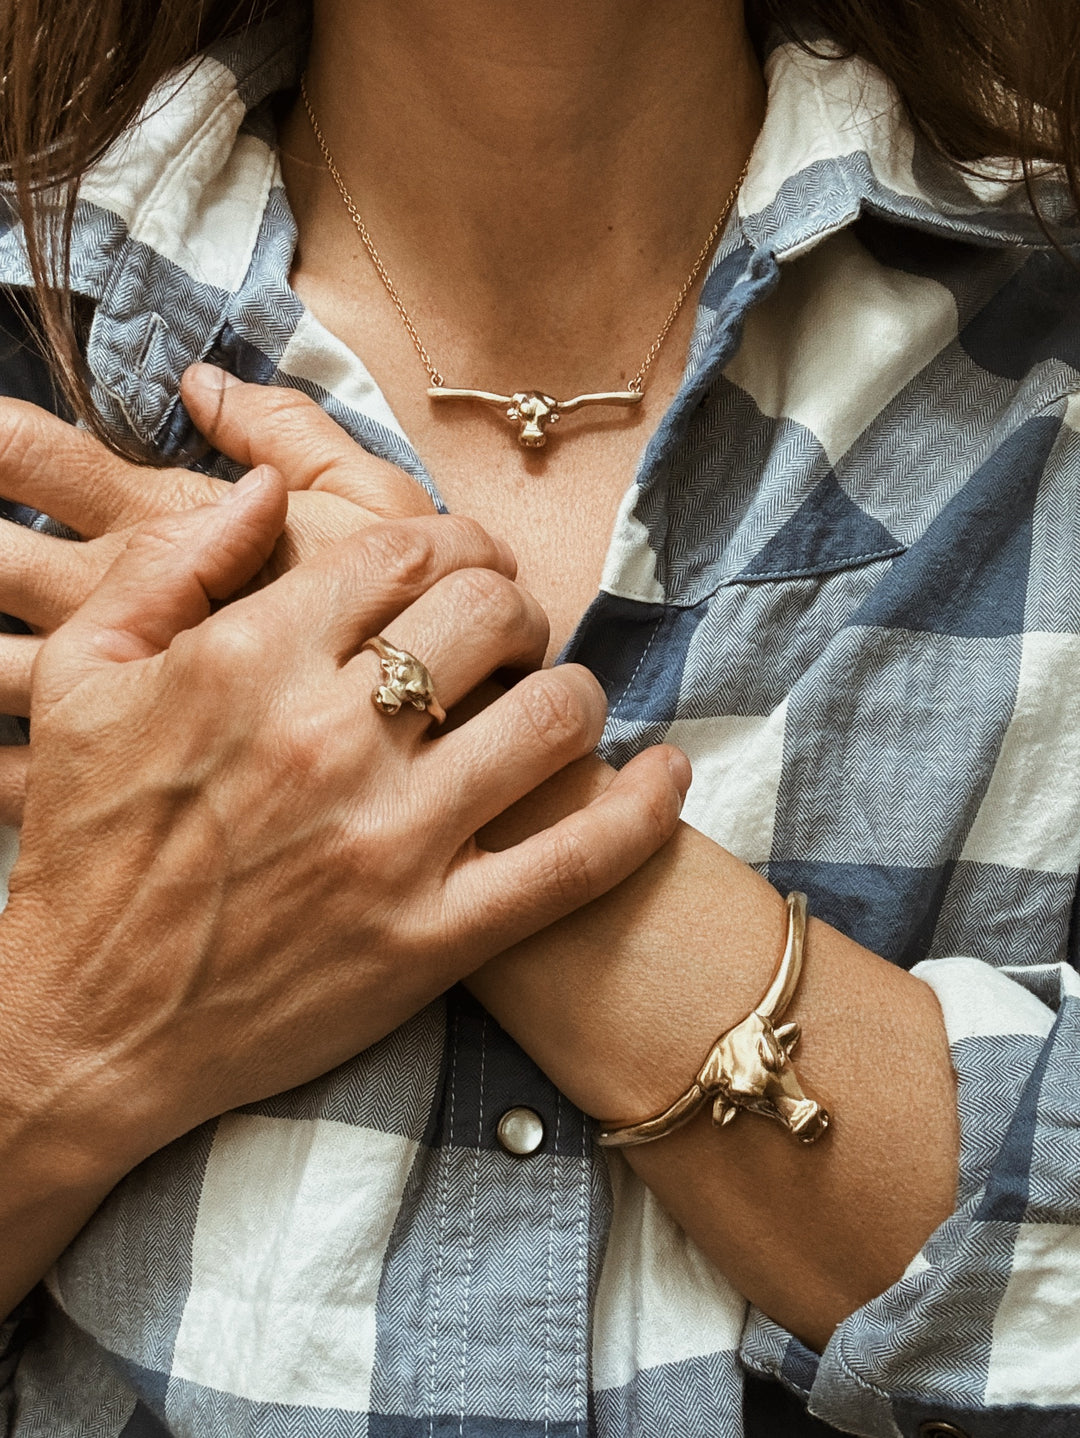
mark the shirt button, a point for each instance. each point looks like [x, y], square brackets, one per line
[935, 1428]
[520, 1131]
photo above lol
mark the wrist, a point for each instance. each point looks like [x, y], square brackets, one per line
[62, 1148]
[621, 1003]
[73, 1118]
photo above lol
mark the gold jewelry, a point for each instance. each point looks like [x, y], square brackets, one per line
[532, 410]
[406, 681]
[749, 1067]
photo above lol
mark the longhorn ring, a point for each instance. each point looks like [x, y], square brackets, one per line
[405, 681]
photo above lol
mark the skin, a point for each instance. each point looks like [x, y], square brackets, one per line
[234, 873]
[620, 1000]
[637, 118]
[599, 156]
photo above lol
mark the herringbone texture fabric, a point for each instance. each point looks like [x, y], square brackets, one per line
[847, 581]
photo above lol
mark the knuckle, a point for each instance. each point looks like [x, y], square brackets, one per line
[282, 403]
[221, 650]
[554, 712]
[591, 690]
[469, 529]
[402, 556]
[570, 869]
[80, 576]
[468, 538]
[285, 414]
[295, 424]
[152, 543]
[482, 596]
[120, 488]
[659, 813]
[180, 490]
[305, 744]
[19, 432]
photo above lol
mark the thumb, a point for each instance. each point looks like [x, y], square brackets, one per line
[165, 581]
[272, 424]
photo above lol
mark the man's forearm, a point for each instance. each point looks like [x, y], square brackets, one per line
[58, 1154]
[620, 1002]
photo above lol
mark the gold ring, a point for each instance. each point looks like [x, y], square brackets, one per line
[405, 681]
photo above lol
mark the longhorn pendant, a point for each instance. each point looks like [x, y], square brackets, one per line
[533, 411]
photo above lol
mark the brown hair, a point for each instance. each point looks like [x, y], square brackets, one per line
[979, 77]
[75, 74]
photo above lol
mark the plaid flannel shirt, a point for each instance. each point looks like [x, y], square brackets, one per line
[847, 582]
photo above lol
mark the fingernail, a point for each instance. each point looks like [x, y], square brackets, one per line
[251, 481]
[681, 772]
[212, 376]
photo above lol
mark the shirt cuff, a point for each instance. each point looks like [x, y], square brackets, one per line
[983, 1320]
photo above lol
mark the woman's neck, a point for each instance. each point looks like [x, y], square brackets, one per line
[524, 166]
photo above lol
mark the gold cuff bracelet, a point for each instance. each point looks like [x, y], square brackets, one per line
[749, 1067]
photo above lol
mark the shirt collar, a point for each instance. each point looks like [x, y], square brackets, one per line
[184, 219]
[837, 141]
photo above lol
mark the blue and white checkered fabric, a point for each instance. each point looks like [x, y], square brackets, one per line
[847, 582]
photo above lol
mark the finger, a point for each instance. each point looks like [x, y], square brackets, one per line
[263, 424]
[14, 763]
[523, 889]
[464, 628]
[316, 521]
[17, 655]
[165, 580]
[68, 474]
[43, 580]
[351, 591]
[549, 719]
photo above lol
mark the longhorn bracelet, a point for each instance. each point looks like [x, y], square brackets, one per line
[749, 1067]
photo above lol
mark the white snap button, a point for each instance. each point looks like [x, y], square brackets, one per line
[520, 1131]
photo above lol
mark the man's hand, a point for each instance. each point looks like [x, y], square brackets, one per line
[235, 873]
[336, 487]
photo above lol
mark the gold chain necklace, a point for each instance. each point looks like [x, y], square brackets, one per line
[533, 411]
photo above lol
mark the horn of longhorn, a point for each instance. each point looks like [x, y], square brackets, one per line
[618, 396]
[483, 395]
[786, 979]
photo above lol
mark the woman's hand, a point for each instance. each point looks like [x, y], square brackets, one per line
[337, 488]
[236, 873]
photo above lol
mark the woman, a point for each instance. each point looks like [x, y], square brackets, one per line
[841, 579]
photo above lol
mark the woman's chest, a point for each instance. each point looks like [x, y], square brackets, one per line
[556, 511]
[556, 504]
[821, 586]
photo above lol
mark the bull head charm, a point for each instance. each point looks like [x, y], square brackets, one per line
[532, 410]
[749, 1067]
[405, 681]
